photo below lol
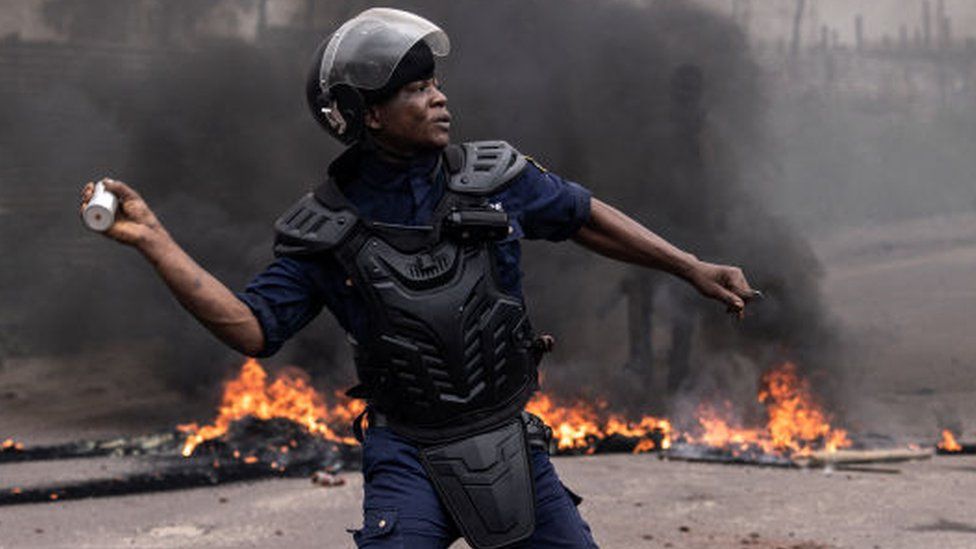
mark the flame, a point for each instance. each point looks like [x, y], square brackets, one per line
[795, 419]
[717, 432]
[288, 396]
[948, 442]
[579, 426]
[10, 444]
[796, 424]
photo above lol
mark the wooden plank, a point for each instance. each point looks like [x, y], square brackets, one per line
[891, 455]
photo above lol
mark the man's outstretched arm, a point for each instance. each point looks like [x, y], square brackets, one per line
[205, 297]
[612, 233]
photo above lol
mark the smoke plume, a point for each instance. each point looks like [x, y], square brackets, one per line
[657, 107]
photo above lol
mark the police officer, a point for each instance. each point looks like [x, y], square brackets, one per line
[413, 244]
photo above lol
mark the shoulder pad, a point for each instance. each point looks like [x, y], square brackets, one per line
[308, 227]
[486, 167]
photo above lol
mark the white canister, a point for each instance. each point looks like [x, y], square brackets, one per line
[99, 214]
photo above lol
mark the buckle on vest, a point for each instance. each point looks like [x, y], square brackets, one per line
[476, 224]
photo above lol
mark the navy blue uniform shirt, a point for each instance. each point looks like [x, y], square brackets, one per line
[292, 291]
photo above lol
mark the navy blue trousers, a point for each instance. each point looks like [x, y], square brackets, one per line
[401, 508]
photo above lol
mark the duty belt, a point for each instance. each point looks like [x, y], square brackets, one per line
[537, 433]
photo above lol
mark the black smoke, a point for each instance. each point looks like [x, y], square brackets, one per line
[214, 133]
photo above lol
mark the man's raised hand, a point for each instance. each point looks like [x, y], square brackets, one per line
[135, 224]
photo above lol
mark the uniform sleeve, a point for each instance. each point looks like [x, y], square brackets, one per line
[546, 205]
[284, 298]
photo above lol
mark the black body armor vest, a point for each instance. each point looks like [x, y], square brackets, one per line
[449, 352]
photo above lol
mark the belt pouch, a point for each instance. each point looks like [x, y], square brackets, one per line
[485, 481]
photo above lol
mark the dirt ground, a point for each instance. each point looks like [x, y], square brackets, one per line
[905, 292]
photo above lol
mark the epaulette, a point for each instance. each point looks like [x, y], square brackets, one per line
[482, 167]
[310, 227]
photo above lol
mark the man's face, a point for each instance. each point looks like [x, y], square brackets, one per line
[414, 120]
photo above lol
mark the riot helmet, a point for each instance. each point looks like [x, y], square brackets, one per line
[366, 61]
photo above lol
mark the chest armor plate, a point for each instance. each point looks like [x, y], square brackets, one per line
[449, 352]
[447, 346]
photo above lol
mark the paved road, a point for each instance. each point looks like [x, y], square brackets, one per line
[630, 501]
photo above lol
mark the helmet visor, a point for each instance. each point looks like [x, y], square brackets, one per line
[366, 49]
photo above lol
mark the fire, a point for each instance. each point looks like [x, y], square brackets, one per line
[718, 433]
[578, 427]
[795, 423]
[10, 444]
[251, 393]
[288, 396]
[948, 442]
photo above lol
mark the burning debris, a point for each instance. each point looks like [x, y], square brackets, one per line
[10, 446]
[949, 446]
[584, 428]
[276, 426]
[796, 425]
[289, 397]
[797, 431]
[264, 428]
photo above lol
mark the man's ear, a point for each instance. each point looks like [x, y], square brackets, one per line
[373, 118]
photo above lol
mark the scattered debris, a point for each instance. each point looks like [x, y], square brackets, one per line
[326, 479]
[251, 449]
[158, 443]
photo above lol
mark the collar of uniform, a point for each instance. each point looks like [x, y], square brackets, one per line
[345, 166]
[360, 166]
[352, 162]
[383, 174]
